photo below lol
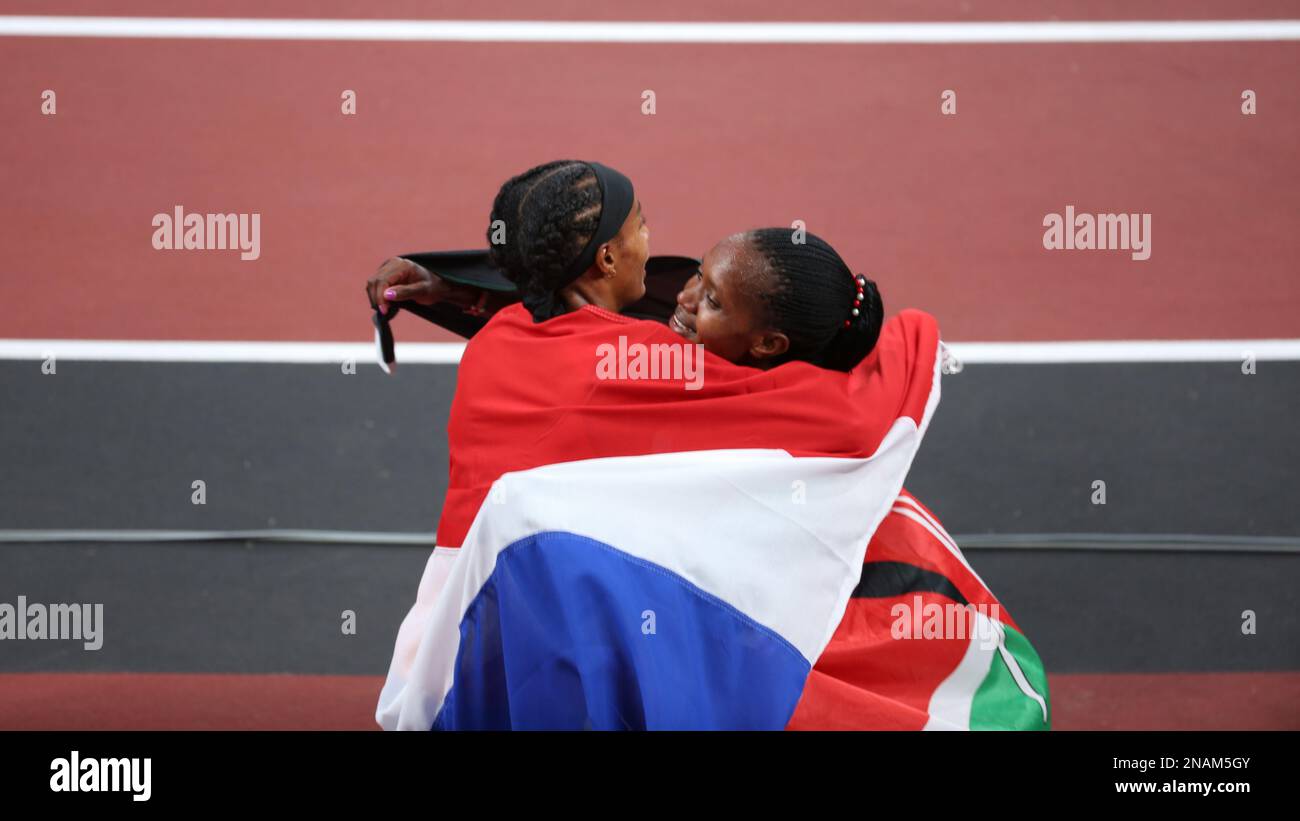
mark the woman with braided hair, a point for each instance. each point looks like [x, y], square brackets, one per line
[566, 233]
[564, 249]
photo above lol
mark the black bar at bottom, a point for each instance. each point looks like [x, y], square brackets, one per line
[381, 771]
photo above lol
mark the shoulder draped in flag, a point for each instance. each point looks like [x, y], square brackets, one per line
[528, 394]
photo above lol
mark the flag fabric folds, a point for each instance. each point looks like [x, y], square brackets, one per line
[629, 554]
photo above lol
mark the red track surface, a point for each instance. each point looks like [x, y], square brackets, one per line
[131, 701]
[945, 212]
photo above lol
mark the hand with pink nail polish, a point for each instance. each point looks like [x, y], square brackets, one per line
[400, 280]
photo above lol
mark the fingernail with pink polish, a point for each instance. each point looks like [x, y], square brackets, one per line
[390, 294]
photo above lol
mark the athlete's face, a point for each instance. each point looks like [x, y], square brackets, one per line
[720, 306]
[623, 258]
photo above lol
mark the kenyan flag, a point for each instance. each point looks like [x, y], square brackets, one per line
[923, 644]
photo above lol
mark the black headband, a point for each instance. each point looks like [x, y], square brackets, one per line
[616, 201]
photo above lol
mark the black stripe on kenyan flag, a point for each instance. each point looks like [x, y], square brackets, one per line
[882, 580]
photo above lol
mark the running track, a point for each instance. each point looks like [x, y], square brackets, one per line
[945, 212]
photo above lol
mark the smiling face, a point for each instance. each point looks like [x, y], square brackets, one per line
[721, 307]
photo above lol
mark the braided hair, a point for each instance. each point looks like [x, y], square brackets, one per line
[550, 212]
[808, 294]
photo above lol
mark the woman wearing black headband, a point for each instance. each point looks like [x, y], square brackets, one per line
[566, 233]
[575, 235]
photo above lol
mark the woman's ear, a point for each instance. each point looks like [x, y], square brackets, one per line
[769, 345]
[605, 260]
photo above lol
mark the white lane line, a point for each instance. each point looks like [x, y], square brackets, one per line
[534, 31]
[449, 353]
[1181, 350]
[91, 350]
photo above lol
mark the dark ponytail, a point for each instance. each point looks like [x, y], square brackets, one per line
[550, 212]
[809, 296]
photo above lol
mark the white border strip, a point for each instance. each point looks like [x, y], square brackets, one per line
[532, 31]
[449, 353]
